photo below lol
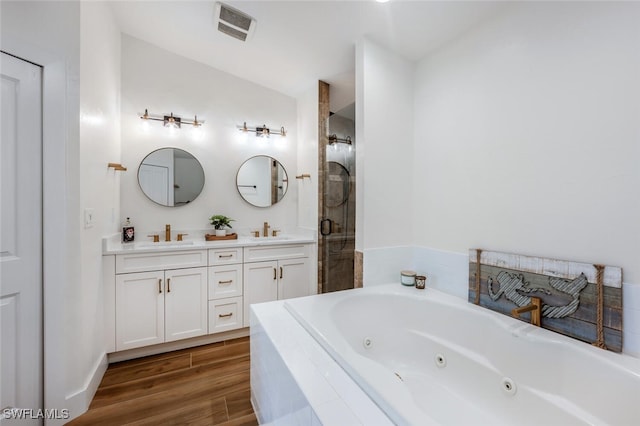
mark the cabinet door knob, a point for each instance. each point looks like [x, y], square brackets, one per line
[160, 285]
[168, 285]
[281, 272]
[275, 274]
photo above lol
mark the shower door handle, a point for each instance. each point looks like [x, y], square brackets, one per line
[323, 230]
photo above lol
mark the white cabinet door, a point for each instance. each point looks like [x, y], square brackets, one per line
[260, 285]
[139, 309]
[185, 303]
[293, 278]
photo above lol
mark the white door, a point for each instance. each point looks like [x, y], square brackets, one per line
[294, 278]
[185, 303]
[260, 285]
[139, 309]
[154, 181]
[21, 236]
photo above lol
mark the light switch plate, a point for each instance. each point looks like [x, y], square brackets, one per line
[88, 218]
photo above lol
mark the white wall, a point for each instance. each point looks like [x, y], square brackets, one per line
[526, 141]
[528, 136]
[384, 164]
[48, 34]
[387, 105]
[164, 82]
[99, 190]
[307, 107]
[527, 132]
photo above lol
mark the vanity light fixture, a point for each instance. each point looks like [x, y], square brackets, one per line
[172, 121]
[263, 130]
[335, 139]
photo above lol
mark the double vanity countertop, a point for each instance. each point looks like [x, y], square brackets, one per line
[113, 245]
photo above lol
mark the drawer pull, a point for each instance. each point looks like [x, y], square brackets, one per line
[168, 285]
[225, 282]
[220, 256]
[225, 315]
[160, 286]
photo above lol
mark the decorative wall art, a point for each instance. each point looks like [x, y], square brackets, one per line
[580, 300]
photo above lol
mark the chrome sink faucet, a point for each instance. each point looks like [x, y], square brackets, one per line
[265, 229]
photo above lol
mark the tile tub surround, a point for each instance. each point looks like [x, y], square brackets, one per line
[357, 263]
[295, 382]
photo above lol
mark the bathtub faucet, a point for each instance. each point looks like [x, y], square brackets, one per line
[535, 307]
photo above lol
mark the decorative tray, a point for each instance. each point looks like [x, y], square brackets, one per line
[210, 237]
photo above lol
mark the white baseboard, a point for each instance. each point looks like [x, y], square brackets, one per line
[177, 345]
[78, 402]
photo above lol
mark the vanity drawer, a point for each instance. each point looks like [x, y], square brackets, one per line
[143, 262]
[225, 256]
[225, 281]
[225, 314]
[278, 252]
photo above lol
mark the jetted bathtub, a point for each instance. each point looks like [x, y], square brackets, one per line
[425, 357]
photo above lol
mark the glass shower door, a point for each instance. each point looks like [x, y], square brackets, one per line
[337, 225]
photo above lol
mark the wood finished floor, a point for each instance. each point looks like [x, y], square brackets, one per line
[206, 385]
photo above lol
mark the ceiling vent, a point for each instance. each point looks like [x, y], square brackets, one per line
[234, 23]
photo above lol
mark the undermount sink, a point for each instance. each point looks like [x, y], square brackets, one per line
[150, 244]
[277, 238]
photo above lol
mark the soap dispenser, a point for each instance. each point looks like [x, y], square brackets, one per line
[128, 232]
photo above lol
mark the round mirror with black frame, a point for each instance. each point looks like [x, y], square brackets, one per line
[262, 181]
[171, 177]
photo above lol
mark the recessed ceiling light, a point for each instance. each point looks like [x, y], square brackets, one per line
[382, 1]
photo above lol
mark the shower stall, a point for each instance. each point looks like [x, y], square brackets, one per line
[338, 202]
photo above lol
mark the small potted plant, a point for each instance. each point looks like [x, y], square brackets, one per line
[220, 222]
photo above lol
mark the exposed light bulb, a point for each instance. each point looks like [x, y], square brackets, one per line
[197, 133]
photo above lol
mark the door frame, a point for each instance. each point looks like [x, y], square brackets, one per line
[56, 132]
